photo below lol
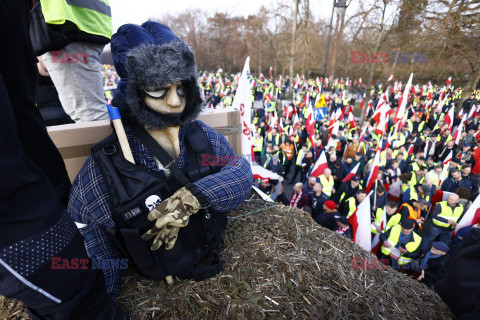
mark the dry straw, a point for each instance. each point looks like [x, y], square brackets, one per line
[279, 264]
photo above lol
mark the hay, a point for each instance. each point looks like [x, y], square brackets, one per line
[280, 264]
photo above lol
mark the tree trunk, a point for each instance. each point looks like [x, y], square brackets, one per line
[292, 43]
[339, 26]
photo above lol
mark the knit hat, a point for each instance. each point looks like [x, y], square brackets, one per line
[442, 246]
[329, 204]
[149, 57]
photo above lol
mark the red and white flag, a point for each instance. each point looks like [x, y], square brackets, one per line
[448, 158]
[243, 102]
[449, 81]
[458, 134]
[391, 78]
[320, 165]
[403, 103]
[372, 177]
[476, 157]
[410, 149]
[351, 174]
[360, 222]
[449, 117]
[467, 219]
[363, 101]
[351, 119]
[260, 172]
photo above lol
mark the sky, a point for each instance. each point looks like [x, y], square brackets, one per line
[138, 11]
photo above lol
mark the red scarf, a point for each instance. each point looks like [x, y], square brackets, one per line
[342, 230]
[295, 199]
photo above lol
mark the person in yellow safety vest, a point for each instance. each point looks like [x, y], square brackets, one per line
[434, 176]
[298, 164]
[352, 203]
[272, 107]
[281, 155]
[401, 243]
[415, 166]
[257, 143]
[385, 156]
[419, 192]
[445, 216]
[326, 179]
[268, 155]
[401, 150]
[273, 137]
[393, 218]
[417, 177]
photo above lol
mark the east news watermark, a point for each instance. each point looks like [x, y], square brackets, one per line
[59, 263]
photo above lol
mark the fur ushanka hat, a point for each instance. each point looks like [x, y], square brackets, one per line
[147, 57]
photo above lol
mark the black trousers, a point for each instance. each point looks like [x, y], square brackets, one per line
[32, 179]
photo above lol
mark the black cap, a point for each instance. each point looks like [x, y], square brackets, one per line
[356, 178]
[359, 154]
[422, 158]
[408, 223]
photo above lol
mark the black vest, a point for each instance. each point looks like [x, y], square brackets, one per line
[134, 191]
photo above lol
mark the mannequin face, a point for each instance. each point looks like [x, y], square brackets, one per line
[167, 100]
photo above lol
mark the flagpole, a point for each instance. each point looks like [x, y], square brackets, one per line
[375, 194]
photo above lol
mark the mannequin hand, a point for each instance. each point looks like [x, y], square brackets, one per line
[170, 215]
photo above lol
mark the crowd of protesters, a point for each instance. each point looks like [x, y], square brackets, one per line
[423, 184]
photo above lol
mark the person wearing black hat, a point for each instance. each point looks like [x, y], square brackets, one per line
[465, 155]
[400, 243]
[434, 263]
[166, 194]
[346, 190]
[343, 226]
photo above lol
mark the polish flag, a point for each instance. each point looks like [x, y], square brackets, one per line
[449, 80]
[372, 177]
[260, 172]
[476, 156]
[448, 158]
[458, 134]
[363, 101]
[360, 222]
[467, 219]
[369, 106]
[351, 174]
[473, 110]
[390, 78]
[320, 165]
[449, 118]
[403, 104]
[382, 111]
[243, 103]
[362, 135]
[410, 149]
[351, 119]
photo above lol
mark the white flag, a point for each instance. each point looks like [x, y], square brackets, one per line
[243, 103]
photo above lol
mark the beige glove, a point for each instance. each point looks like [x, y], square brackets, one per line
[172, 214]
